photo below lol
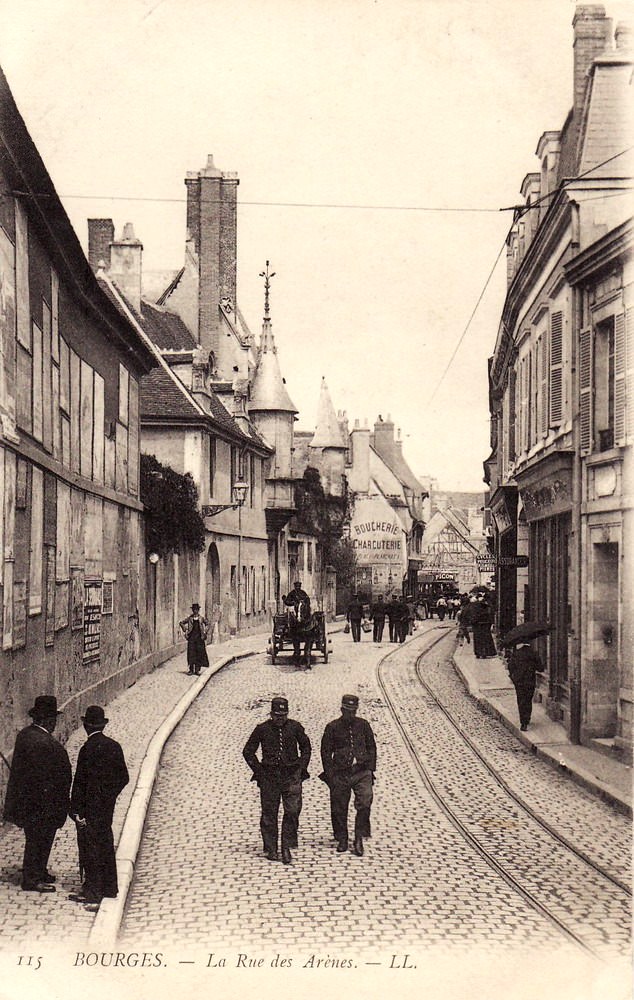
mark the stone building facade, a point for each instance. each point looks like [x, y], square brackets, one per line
[560, 378]
[71, 538]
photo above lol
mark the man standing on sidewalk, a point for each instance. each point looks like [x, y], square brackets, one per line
[100, 776]
[523, 665]
[354, 615]
[286, 753]
[37, 792]
[378, 611]
[348, 757]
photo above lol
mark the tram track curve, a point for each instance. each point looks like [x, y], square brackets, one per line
[442, 799]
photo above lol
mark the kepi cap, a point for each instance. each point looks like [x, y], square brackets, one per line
[349, 701]
[44, 706]
[94, 716]
[279, 706]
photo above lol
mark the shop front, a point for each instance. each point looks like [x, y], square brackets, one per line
[546, 497]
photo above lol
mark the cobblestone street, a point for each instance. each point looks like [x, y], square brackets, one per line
[201, 878]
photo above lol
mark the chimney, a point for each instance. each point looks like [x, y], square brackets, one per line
[125, 265]
[592, 30]
[623, 35]
[359, 472]
[212, 229]
[100, 236]
[384, 438]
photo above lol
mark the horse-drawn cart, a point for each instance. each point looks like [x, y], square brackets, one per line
[292, 629]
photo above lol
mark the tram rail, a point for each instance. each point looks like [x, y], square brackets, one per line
[452, 814]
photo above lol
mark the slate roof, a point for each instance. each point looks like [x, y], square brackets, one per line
[161, 397]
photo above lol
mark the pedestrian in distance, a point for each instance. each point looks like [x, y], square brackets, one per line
[196, 629]
[354, 615]
[463, 618]
[403, 620]
[100, 777]
[37, 795]
[393, 617]
[348, 757]
[285, 755]
[378, 611]
[441, 607]
[523, 666]
[411, 614]
[481, 622]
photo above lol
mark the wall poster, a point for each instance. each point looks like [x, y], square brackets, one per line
[92, 620]
[19, 613]
[77, 598]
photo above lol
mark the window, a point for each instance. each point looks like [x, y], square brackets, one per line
[604, 372]
[251, 480]
[263, 588]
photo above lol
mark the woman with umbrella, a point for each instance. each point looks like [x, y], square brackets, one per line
[523, 665]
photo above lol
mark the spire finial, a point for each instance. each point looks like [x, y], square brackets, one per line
[267, 284]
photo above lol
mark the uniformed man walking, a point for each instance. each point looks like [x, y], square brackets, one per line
[286, 753]
[348, 757]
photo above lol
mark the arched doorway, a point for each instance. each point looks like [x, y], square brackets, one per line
[212, 588]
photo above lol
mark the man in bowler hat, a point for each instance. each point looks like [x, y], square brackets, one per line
[100, 776]
[196, 628]
[348, 757]
[284, 765]
[37, 792]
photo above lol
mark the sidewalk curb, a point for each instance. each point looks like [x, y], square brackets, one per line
[110, 914]
[551, 754]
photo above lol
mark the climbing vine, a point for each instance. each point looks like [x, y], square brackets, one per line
[173, 522]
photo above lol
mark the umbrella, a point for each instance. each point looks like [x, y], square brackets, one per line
[525, 632]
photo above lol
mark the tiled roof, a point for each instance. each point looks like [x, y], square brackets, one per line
[160, 396]
[166, 329]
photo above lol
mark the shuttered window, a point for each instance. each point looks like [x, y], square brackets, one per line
[556, 369]
[585, 392]
[623, 377]
[512, 412]
[543, 375]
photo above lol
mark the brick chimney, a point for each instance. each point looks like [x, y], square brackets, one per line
[125, 265]
[623, 35]
[384, 438]
[592, 33]
[359, 472]
[212, 229]
[100, 236]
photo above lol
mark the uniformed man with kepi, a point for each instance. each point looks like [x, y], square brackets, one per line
[348, 756]
[284, 766]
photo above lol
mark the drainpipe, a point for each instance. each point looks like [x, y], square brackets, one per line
[576, 591]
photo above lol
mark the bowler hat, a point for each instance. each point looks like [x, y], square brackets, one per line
[44, 706]
[94, 716]
[349, 701]
[279, 706]
[195, 607]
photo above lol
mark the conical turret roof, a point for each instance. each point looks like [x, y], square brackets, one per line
[327, 431]
[268, 390]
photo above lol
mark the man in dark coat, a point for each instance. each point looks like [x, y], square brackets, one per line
[524, 664]
[403, 620]
[296, 596]
[348, 757]
[196, 629]
[394, 617]
[37, 792]
[378, 611]
[100, 776]
[354, 615]
[286, 753]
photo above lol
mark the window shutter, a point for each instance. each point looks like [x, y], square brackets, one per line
[620, 367]
[505, 424]
[543, 426]
[556, 369]
[524, 398]
[585, 392]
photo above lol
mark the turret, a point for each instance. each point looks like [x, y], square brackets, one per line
[327, 447]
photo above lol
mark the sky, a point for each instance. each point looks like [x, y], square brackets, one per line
[383, 135]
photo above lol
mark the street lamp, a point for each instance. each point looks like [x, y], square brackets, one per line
[239, 495]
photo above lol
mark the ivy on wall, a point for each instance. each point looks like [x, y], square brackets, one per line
[326, 517]
[173, 522]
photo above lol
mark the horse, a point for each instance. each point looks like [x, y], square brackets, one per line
[302, 627]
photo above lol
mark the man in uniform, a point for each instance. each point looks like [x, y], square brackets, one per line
[393, 617]
[354, 615]
[284, 765]
[348, 757]
[37, 792]
[100, 776]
